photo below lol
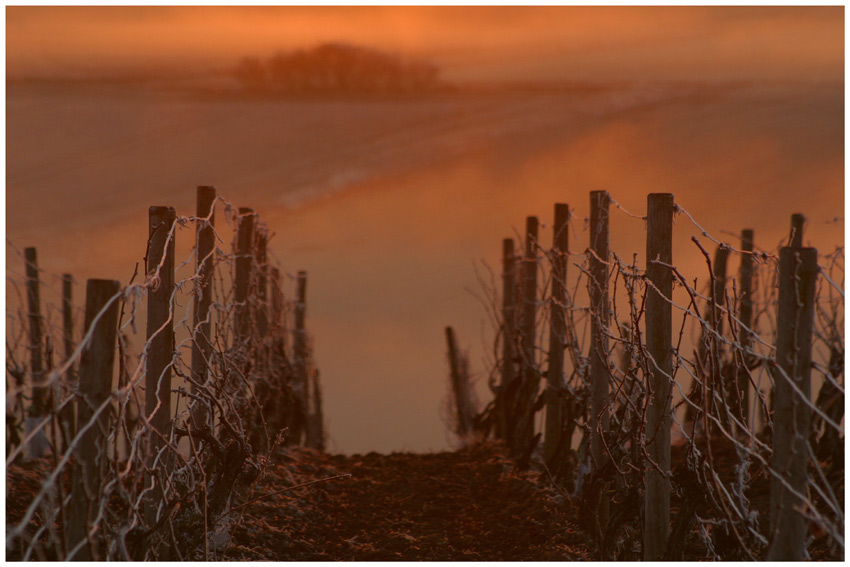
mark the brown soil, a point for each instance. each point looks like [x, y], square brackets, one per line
[470, 505]
[473, 504]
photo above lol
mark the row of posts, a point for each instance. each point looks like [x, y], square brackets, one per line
[97, 358]
[520, 383]
[39, 345]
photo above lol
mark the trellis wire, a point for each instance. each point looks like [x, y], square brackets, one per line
[197, 472]
[722, 459]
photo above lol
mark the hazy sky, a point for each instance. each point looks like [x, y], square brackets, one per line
[585, 43]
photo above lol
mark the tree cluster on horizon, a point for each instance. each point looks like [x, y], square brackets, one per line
[336, 68]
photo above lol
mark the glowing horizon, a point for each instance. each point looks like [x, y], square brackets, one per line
[476, 43]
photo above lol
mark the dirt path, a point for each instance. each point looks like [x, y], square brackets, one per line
[468, 505]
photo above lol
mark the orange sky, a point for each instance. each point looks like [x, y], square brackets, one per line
[584, 43]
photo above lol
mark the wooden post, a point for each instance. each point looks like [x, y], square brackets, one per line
[460, 387]
[160, 337]
[718, 294]
[95, 386]
[710, 368]
[745, 315]
[530, 378]
[795, 240]
[201, 346]
[38, 444]
[276, 301]
[557, 415]
[718, 303]
[599, 317]
[316, 425]
[659, 341]
[244, 260]
[67, 315]
[318, 413]
[278, 325]
[301, 354]
[798, 269]
[505, 420]
[262, 279]
[160, 324]
[66, 417]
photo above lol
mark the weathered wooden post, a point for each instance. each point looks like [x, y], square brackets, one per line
[262, 282]
[204, 249]
[67, 315]
[276, 302]
[91, 453]
[599, 318]
[160, 335]
[66, 417]
[795, 240]
[745, 315]
[316, 424]
[160, 324]
[557, 414]
[529, 375]
[301, 349]
[718, 294]
[505, 418]
[718, 303]
[659, 341]
[244, 261]
[460, 387]
[278, 325]
[38, 410]
[798, 269]
[709, 360]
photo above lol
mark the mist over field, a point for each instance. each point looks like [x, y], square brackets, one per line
[390, 202]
